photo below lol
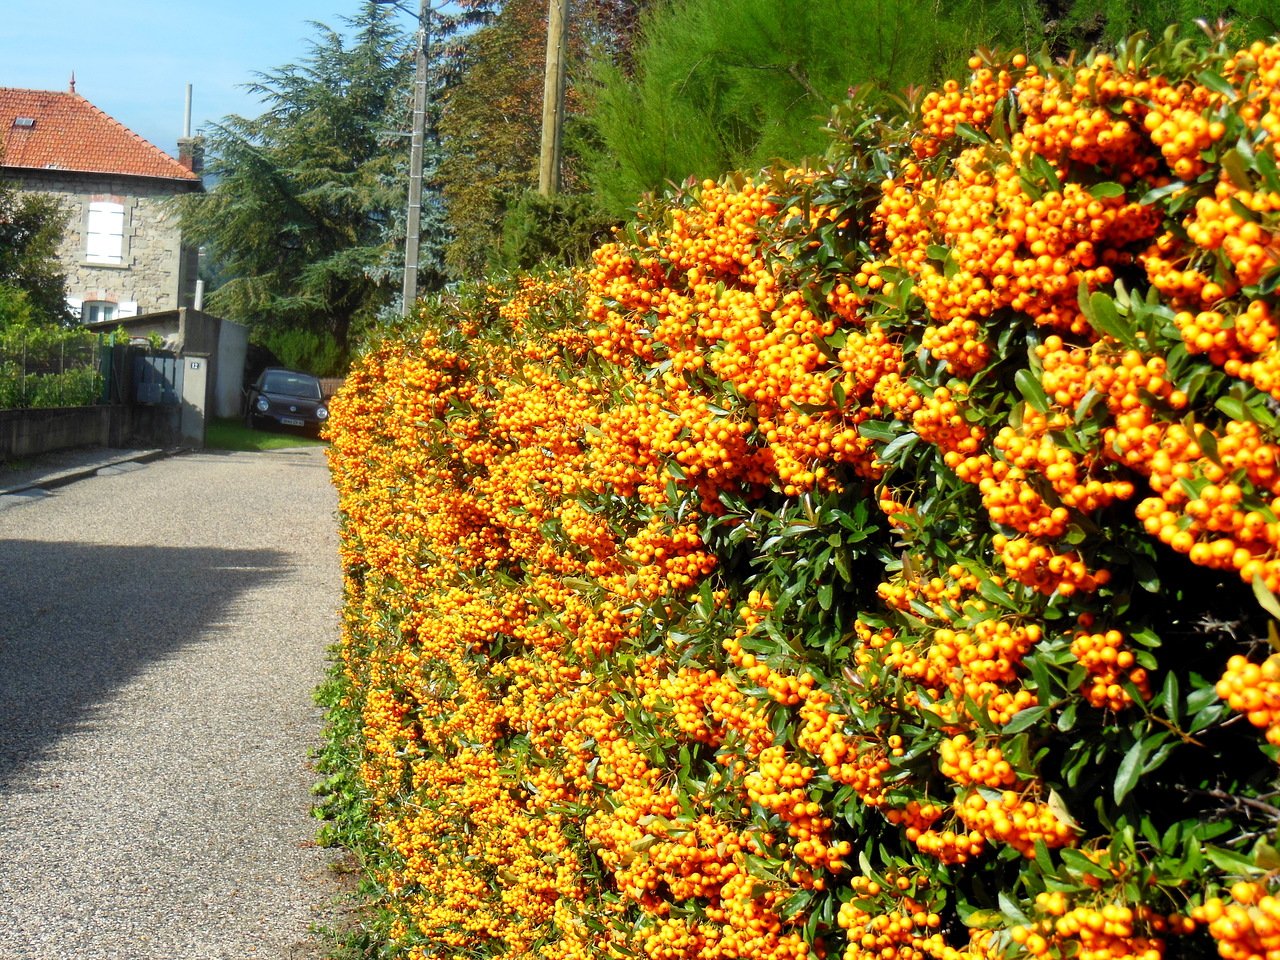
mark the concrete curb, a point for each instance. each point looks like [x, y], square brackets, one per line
[66, 475]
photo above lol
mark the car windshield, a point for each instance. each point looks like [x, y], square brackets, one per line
[292, 384]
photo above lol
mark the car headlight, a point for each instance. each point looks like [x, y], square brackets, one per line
[263, 404]
[322, 413]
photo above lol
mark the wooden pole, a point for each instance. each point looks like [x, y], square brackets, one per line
[553, 98]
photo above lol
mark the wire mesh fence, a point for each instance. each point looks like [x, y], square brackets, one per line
[51, 368]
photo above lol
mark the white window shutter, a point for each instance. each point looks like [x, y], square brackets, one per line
[127, 308]
[74, 304]
[104, 233]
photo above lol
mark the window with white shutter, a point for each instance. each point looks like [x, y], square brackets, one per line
[95, 311]
[105, 232]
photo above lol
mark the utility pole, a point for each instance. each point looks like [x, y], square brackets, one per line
[413, 218]
[553, 98]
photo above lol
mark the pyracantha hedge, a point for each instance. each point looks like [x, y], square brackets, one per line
[868, 560]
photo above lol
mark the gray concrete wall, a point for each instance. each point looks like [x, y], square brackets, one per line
[233, 345]
[29, 433]
[156, 273]
[197, 389]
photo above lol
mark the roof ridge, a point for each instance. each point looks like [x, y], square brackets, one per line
[136, 136]
[72, 133]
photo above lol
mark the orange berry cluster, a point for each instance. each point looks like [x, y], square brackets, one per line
[1246, 925]
[1006, 248]
[1016, 818]
[1254, 690]
[974, 103]
[902, 926]
[696, 294]
[1109, 666]
[1216, 498]
[1046, 570]
[1098, 929]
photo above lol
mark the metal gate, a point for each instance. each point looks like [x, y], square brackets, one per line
[157, 377]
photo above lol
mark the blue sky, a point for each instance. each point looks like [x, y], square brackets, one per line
[134, 59]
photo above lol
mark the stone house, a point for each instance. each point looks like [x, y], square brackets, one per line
[122, 251]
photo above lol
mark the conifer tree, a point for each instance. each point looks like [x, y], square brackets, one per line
[301, 214]
[719, 86]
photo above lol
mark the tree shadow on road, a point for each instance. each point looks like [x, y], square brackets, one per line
[78, 621]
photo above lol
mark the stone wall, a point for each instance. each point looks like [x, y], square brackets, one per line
[29, 433]
[157, 273]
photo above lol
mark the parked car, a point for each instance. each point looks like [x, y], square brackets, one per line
[285, 397]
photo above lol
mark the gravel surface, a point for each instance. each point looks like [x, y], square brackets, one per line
[162, 628]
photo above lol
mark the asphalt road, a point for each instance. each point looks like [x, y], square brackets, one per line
[162, 628]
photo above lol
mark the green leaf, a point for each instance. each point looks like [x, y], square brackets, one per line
[1058, 807]
[904, 442]
[843, 567]
[878, 430]
[1032, 390]
[972, 134]
[1169, 696]
[1067, 719]
[1101, 191]
[1025, 719]
[1228, 861]
[990, 592]
[1040, 673]
[1078, 863]
[1010, 909]
[644, 843]
[984, 919]
[1086, 404]
[1129, 771]
[1044, 170]
[1106, 319]
[1159, 193]
[1266, 165]
[1217, 83]
[1266, 856]
[1233, 407]
[1208, 445]
[1235, 168]
[1266, 599]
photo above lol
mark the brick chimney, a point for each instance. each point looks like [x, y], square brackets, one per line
[191, 153]
[190, 149]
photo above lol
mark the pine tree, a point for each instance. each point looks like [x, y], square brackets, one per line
[1080, 24]
[301, 215]
[719, 85]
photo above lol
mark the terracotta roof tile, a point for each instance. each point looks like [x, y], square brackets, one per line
[44, 129]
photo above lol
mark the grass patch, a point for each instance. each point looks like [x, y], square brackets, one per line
[232, 434]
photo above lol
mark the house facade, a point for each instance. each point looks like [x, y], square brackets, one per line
[122, 251]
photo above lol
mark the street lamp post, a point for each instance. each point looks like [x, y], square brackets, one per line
[413, 218]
